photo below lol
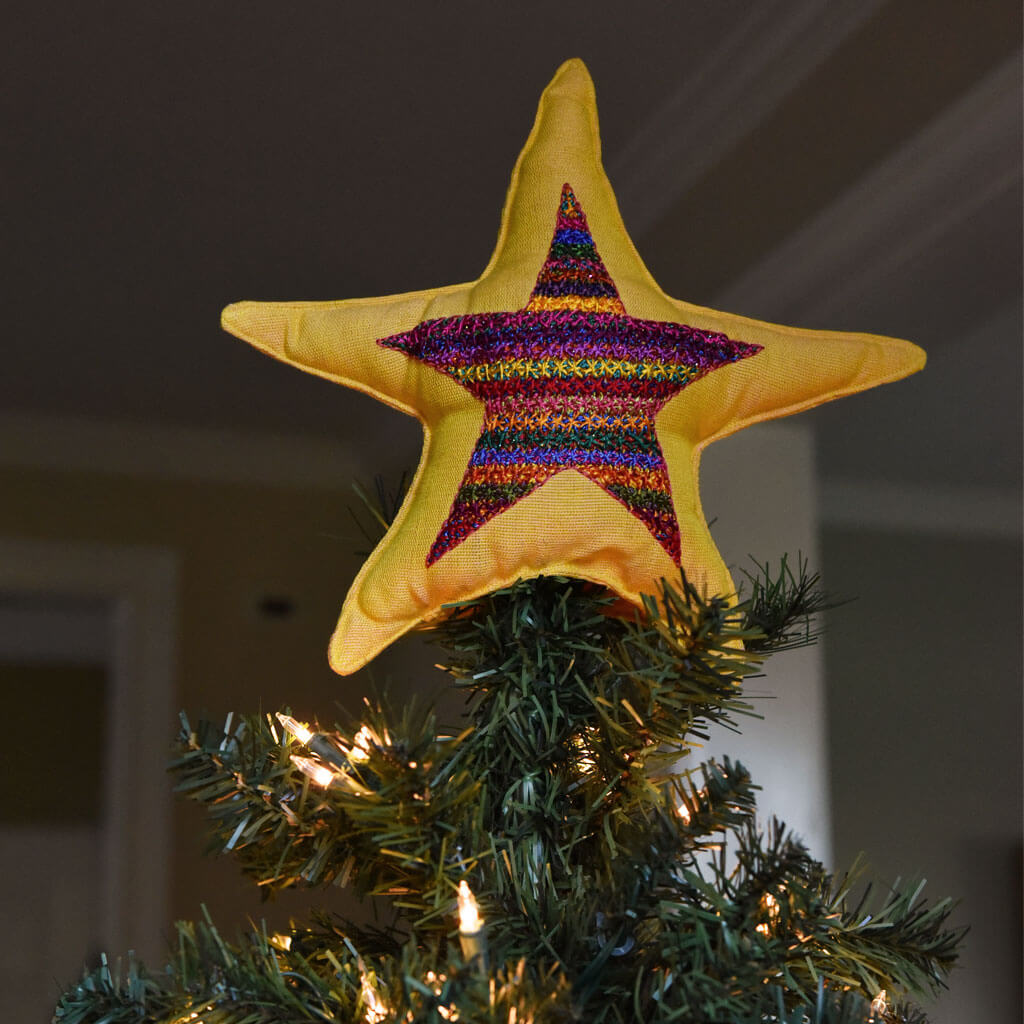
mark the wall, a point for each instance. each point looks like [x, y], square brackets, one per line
[923, 683]
[923, 676]
[760, 494]
[239, 543]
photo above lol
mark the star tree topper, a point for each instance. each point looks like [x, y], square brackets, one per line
[565, 399]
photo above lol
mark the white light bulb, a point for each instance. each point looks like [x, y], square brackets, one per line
[361, 745]
[320, 774]
[469, 911]
[295, 728]
[375, 1010]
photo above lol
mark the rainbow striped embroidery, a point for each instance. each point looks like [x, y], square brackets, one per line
[570, 381]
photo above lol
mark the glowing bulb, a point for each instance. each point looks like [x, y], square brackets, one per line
[584, 760]
[878, 1004]
[684, 812]
[320, 774]
[469, 912]
[361, 745]
[281, 941]
[472, 937]
[294, 728]
[771, 908]
[375, 1011]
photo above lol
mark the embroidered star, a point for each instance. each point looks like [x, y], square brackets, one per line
[568, 382]
[508, 407]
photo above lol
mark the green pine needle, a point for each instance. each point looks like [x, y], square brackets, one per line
[621, 881]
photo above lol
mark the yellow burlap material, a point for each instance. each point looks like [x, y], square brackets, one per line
[569, 525]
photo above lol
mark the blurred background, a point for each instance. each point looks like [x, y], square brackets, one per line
[174, 524]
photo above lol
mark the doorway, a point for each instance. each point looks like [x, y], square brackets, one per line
[86, 672]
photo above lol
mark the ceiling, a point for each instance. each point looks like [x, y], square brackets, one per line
[852, 165]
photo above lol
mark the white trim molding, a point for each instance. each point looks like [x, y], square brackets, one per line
[774, 48]
[140, 585]
[967, 157]
[173, 453]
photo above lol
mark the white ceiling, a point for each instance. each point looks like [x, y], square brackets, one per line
[854, 165]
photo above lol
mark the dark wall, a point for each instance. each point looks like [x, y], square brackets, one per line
[923, 673]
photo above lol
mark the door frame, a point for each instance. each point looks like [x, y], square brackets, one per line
[139, 584]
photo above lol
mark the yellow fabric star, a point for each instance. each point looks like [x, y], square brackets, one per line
[568, 523]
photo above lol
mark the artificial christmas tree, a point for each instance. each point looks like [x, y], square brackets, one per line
[614, 879]
[557, 856]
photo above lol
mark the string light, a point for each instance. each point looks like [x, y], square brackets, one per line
[469, 910]
[194, 1016]
[319, 773]
[361, 745]
[375, 1011]
[471, 933]
[879, 1004]
[321, 744]
[584, 758]
[771, 907]
[684, 812]
[295, 728]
